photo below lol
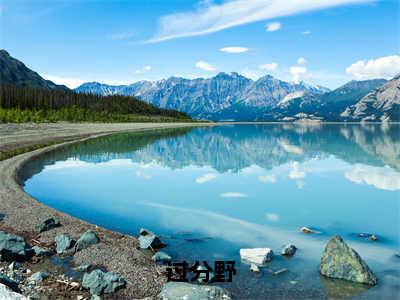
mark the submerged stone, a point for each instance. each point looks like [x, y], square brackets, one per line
[161, 256]
[289, 250]
[63, 243]
[342, 262]
[86, 240]
[82, 268]
[148, 239]
[38, 277]
[13, 247]
[99, 282]
[258, 256]
[182, 290]
[254, 268]
[39, 251]
[49, 224]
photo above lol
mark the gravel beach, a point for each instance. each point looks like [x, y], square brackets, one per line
[116, 252]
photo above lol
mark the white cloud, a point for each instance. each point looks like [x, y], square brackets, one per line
[297, 73]
[300, 184]
[272, 217]
[205, 178]
[234, 49]
[301, 61]
[205, 66]
[381, 67]
[295, 172]
[383, 178]
[273, 26]
[143, 70]
[143, 175]
[212, 17]
[267, 178]
[233, 195]
[269, 67]
[306, 32]
[68, 81]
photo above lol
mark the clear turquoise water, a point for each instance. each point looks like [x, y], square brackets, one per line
[211, 191]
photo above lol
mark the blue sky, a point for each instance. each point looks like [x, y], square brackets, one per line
[327, 42]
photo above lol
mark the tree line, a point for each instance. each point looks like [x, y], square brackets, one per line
[44, 102]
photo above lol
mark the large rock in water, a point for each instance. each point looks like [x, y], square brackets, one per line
[13, 247]
[182, 290]
[258, 256]
[342, 262]
[99, 282]
[148, 239]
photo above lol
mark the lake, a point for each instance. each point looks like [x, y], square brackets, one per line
[210, 191]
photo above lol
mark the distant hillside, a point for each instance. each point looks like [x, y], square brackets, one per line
[382, 104]
[13, 71]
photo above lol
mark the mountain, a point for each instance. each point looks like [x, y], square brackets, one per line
[13, 71]
[218, 97]
[382, 104]
[326, 106]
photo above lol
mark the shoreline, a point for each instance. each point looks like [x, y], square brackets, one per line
[116, 252]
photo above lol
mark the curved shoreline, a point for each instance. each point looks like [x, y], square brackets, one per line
[117, 252]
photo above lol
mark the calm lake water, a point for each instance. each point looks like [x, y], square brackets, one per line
[211, 191]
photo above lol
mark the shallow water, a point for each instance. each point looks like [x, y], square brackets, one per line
[211, 191]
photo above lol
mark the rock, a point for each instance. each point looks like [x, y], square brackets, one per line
[6, 293]
[148, 239]
[15, 265]
[183, 290]
[13, 247]
[306, 230]
[38, 277]
[39, 251]
[63, 243]
[371, 237]
[254, 268]
[342, 262]
[161, 256]
[95, 297]
[289, 250]
[5, 280]
[99, 282]
[203, 276]
[86, 240]
[49, 224]
[258, 256]
[82, 268]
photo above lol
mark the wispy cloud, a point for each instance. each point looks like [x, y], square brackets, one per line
[143, 175]
[205, 66]
[233, 195]
[143, 70]
[381, 67]
[297, 72]
[269, 67]
[306, 32]
[272, 217]
[296, 172]
[234, 49]
[267, 178]
[273, 26]
[301, 61]
[206, 178]
[211, 17]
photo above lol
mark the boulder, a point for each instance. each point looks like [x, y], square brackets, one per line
[86, 240]
[161, 256]
[289, 250]
[38, 277]
[6, 293]
[48, 224]
[254, 268]
[16, 265]
[63, 243]
[342, 262]
[5, 280]
[39, 251]
[13, 247]
[148, 239]
[306, 230]
[258, 256]
[99, 282]
[183, 290]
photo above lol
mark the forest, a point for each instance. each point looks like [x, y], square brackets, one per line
[25, 104]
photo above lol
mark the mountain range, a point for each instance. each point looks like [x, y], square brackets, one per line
[233, 97]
